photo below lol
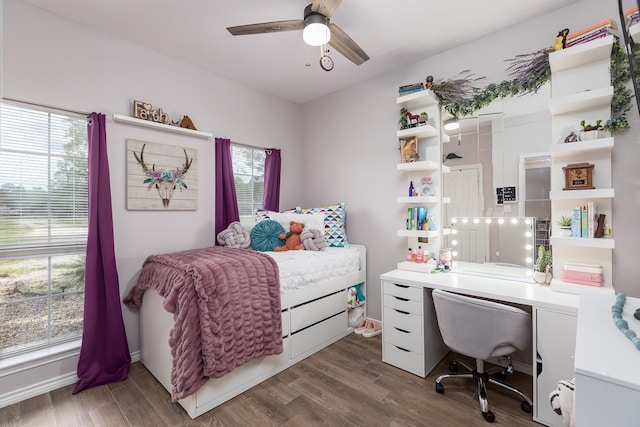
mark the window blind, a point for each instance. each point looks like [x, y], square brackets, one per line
[248, 172]
[43, 182]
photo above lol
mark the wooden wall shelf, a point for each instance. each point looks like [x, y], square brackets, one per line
[160, 126]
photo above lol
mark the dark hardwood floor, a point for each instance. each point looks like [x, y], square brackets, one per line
[346, 384]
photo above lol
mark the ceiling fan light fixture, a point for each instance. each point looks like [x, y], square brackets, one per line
[316, 32]
[452, 124]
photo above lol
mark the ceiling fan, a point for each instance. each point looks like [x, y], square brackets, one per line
[317, 31]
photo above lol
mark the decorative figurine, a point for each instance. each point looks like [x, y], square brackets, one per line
[572, 137]
[429, 83]
[411, 118]
[561, 40]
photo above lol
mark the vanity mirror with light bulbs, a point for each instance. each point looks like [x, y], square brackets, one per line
[498, 184]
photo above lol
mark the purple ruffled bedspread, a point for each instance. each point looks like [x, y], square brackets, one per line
[226, 308]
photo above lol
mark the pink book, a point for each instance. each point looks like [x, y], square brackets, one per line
[582, 278]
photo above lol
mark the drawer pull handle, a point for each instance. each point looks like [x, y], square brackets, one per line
[401, 286]
[401, 312]
[401, 330]
[401, 299]
[403, 349]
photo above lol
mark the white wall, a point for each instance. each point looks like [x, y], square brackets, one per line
[356, 135]
[58, 63]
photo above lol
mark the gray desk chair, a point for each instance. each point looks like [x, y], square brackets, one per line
[481, 329]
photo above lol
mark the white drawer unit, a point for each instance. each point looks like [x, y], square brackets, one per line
[408, 317]
[402, 339]
[402, 291]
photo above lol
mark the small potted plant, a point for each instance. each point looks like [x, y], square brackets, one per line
[424, 117]
[589, 131]
[542, 274]
[565, 225]
[404, 121]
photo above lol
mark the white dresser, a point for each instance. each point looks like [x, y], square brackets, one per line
[607, 365]
[408, 341]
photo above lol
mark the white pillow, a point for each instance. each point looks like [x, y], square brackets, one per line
[310, 221]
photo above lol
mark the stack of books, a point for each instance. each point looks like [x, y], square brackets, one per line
[596, 31]
[586, 222]
[417, 218]
[582, 274]
[632, 16]
[409, 89]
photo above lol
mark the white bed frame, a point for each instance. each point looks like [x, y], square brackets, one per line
[312, 318]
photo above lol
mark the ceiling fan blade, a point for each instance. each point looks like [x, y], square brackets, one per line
[344, 44]
[267, 27]
[325, 7]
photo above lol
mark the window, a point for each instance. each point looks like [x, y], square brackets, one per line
[43, 227]
[248, 173]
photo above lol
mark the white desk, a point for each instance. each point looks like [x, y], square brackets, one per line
[554, 326]
[607, 365]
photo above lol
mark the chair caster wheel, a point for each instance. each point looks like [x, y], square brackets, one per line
[453, 367]
[439, 388]
[489, 416]
[526, 407]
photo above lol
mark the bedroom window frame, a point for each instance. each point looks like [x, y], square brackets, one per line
[43, 227]
[248, 173]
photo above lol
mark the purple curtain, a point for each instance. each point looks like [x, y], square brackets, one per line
[226, 201]
[271, 195]
[104, 355]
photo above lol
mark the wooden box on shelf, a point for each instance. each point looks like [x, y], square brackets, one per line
[578, 176]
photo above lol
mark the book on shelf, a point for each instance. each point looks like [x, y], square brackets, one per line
[412, 88]
[591, 219]
[576, 222]
[416, 217]
[607, 23]
[409, 92]
[584, 267]
[584, 222]
[632, 16]
[581, 278]
[603, 32]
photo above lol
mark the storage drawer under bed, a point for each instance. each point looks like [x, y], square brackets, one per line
[314, 311]
[307, 339]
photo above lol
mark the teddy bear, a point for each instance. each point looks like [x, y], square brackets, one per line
[293, 241]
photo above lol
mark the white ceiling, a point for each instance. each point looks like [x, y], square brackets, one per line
[393, 33]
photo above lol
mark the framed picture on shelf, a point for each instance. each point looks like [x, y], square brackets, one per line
[409, 149]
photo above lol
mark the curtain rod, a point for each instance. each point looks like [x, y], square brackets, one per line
[66, 110]
[251, 146]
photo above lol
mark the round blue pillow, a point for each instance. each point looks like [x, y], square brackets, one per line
[264, 235]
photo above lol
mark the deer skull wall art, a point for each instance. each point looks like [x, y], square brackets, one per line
[164, 180]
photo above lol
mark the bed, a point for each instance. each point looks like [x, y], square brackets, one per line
[314, 315]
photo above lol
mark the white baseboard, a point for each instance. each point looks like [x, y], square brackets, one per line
[33, 390]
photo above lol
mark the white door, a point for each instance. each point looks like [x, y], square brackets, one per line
[462, 185]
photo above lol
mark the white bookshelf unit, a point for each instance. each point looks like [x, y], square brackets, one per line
[581, 90]
[430, 140]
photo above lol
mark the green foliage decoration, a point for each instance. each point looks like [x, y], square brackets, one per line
[544, 258]
[460, 97]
